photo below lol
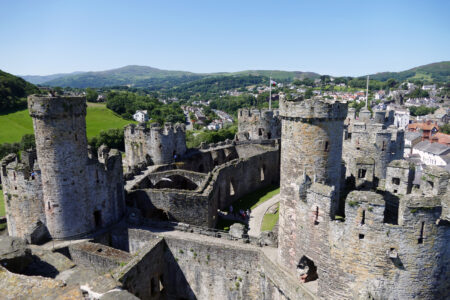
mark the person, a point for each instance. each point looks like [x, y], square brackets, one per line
[248, 213]
[231, 210]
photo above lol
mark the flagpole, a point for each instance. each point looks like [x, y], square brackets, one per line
[367, 91]
[270, 93]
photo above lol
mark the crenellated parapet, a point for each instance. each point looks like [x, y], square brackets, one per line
[41, 106]
[315, 108]
[22, 189]
[155, 144]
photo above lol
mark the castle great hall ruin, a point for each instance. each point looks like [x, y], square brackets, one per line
[356, 219]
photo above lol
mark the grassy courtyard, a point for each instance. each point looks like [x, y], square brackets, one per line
[15, 125]
[270, 220]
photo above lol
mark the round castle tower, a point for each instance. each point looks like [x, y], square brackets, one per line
[311, 151]
[60, 130]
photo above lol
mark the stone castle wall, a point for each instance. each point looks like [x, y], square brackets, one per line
[22, 188]
[311, 150]
[255, 124]
[154, 145]
[79, 194]
[194, 198]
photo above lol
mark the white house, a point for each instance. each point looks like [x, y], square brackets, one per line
[432, 153]
[141, 116]
[411, 140]
[401, 118]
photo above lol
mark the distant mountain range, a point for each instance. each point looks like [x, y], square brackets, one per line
[142, 76]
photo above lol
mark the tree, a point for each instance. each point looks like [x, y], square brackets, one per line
[27, 142]
[391, 82]
[91, 95]
[308, 93]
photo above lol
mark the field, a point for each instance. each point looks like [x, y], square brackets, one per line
[13, 126]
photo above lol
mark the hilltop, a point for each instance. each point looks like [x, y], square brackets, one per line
[435, 72]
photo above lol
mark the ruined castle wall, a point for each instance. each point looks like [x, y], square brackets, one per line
[240, 177]
[258, 124]
[196, 268]
[97, 256]
[105, 190]
[23, 199]
[155, 145]
[368, 141]
[385, 261]
[143, 275]
[135, 145]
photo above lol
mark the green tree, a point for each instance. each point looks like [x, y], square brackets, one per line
[308, 93]
[91, 95]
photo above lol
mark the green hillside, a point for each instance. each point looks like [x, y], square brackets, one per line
[15, 125]
[13, 92]
[129, 75]
[436, 72]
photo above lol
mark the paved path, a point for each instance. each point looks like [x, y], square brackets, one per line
[257, 215]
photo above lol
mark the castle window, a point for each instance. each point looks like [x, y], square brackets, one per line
[262, 173]
[316, 218]
[98, 218]
[363, 217]
[48, 205]
[232, 192]
[161, 285]
[349, 136]
[396, 180]
[327, 146]
[14, 173]
[362, 173]
[431, 184]
[260, 132]
[361, 236]
[15, 187]
[96, 175]
[76, 137]
[420, 239]
[384, 146]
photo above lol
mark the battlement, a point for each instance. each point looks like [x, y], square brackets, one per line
[245, 113]
[50, 107]
[312, 108]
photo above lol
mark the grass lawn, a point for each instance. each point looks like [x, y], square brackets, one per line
[270, 220]
[254, 199]
[13, 126]
[251, 201]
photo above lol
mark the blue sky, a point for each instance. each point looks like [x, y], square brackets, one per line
[329, 37]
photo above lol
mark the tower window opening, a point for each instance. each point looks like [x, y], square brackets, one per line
[48, 205]
[316, 217]
[396, 180]
[96, 175]
[327, 146]
[361, 236]
[14, 173]
[362, 173]
[363, 217]
[431, 184]
[383, 147]
[349, 135]
[262, 173]
[420, 239]
[76, 137]
[260, 132]
[98, 218]
[232, 192]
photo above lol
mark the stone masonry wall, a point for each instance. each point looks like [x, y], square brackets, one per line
[258, 124]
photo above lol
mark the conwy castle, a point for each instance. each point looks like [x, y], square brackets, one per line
[356, 220]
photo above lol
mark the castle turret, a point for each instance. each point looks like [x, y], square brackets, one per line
[312, 132]
[258, 124]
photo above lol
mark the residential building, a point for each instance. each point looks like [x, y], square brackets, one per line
[432, 153]
[427, 128]
[141, 116]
